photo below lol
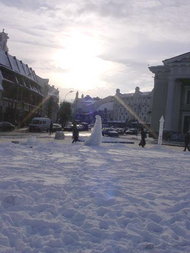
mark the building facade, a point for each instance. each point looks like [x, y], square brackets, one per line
[115, 110]
[133, 106]
[171, 94]
[23, 94]
[121, 108]
[83, 108]
[104, 108]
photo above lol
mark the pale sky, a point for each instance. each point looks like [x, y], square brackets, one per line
[96, 46]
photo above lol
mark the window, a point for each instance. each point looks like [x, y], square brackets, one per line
[8, 75]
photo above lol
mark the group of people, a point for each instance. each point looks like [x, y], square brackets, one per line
[186, 140]
[142, 143]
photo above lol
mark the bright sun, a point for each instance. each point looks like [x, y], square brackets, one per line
[79, 63]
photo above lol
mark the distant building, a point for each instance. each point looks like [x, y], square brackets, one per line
[115, 110]
[23, 94]
[104, 108]
[171, 94]
[84, 108]
[133, 106]
[121, 108]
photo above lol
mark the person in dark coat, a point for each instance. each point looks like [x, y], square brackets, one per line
[143, 136]
[75, 133]
[186, 141]
[51, 128]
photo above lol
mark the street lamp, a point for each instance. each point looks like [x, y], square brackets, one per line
[71, 91]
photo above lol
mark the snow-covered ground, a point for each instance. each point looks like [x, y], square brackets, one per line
[58, 197]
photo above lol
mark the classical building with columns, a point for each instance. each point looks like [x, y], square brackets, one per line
[23, 94]
[171, 94]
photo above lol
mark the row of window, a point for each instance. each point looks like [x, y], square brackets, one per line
[18, 93]
[20, 80]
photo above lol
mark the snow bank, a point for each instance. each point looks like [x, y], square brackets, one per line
[58, 197]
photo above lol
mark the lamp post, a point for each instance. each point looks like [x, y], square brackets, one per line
[71, 91]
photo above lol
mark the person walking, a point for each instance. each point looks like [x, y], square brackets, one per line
[143, 136]
[75, 133]
[51, 128]
[187, 141]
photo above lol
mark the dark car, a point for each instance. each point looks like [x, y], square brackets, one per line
[56, 127]
[120, 130]
[132, 131]
[110, 132]
[83, 126]
[80, 126]
[68, 126]
[6, 126]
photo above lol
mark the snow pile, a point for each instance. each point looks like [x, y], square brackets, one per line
[32, 140]
[59, 135]
[57, 197]
[95, 138]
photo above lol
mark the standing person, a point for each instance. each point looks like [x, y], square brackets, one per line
[143, 136]
[51, 128]
[187, 141]
[75, 133]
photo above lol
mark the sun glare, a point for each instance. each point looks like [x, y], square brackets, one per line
[78, 62]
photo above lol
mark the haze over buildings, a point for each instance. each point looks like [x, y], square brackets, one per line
[96, 46]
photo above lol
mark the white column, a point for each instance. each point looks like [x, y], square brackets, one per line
[169, 104]
[161, 128]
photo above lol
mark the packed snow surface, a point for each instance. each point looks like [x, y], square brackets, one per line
[58, 197]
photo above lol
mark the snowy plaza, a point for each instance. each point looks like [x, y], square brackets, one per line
[59, 197]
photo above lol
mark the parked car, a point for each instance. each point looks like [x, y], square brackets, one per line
[68, 126]
[120, 130]
[6, 126]
[39, 124]
[80, 126]
[132, 131]
[83, 126]
[57, 127]
[110, 132]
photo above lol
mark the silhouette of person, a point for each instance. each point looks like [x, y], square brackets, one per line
[51, 128]
[143, 136]
[75, 132]
[186, 141]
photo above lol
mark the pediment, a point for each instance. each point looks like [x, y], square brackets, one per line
[183, 58]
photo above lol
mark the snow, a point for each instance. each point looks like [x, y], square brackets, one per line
[95, 138]
[115, 198]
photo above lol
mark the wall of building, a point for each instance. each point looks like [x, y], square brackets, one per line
[23, 94]
[171, 85]
[133, 106]
[159, 97]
